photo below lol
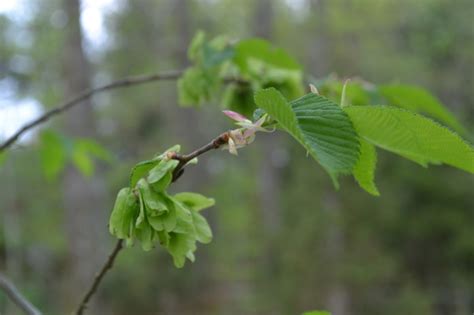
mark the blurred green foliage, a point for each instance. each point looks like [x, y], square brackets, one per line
[407, 252]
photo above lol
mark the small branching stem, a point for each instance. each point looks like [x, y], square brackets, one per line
[125, 82]
[98, 278]
[216, 143]
[86, 94]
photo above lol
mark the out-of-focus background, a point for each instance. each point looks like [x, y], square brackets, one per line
[284, 240]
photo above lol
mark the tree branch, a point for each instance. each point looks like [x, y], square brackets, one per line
[170, 75]
[98, 278]
[184, 159]
[216, 143]
[17, 298]
[125, 82]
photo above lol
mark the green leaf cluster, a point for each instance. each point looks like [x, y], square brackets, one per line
[341, 129]
[412, 136]
[262, 65]
[242, 67]
[410, 97]
[343, 140]
[56, 151]
[201, 82]
[418, 99]
[147, 213]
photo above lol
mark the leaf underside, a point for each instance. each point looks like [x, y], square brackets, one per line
[419, 100]
[364, 170]
[412, 136]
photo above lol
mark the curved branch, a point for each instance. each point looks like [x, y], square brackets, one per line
[184, 159]
[17, 298]
[98, 278]
[135, 80]
[125, 82]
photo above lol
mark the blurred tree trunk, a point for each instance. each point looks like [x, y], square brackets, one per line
[12, 236]
[338, 298]
[186, 125]
[83, 197]
[318, 57]
[269, 177]
[337, 293]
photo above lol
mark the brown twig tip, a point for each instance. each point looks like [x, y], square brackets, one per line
[184, 159]
[222, 139]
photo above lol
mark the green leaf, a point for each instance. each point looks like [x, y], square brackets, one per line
[145, 234]
[184, 220]
[249, 50]
[412, 136]
[140, 170]
[160, 170]
[419, 100]
[155, 202]
[179, 247]
[364, 170]
[141, 219]
[164, 222]
[163, 183]
[82, 161]
[213, 57]
[194, 201]
[197, 86]
[53, 153]
[319, 125]
[124, 214]
[94, 149]
[170, 219]
[83, 151]
[209, 54]
[203, 231]
[160, 210]
[164, 238]
[196, 45]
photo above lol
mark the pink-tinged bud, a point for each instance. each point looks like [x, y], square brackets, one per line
[249, 132]
[235, 116]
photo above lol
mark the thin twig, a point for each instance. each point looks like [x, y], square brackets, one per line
[183, 160]
[98, 278]
[125, 82]
[17, 298]
[170, 75]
